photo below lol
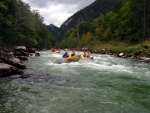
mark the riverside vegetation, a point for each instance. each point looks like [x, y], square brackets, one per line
[119, 27]
[126, 28]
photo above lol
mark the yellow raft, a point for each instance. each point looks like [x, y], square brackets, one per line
[71, 58]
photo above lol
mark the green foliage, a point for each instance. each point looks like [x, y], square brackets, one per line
[128, 22]
[89, 13]
[3, 7]
[85, 40]
[117, 5]
[21, 26]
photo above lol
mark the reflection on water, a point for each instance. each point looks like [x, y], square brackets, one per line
[102, 85]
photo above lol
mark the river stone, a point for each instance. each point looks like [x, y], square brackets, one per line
[22, 58]
[15, 62]
[8, 70]
[121, 54]
[37, 54]
[31, 50]
[20, 48]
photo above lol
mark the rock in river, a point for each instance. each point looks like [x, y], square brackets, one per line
[8, 70]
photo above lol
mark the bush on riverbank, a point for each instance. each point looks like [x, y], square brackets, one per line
[141, 50]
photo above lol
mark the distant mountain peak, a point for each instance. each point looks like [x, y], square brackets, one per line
[88, 13]
[53, 29]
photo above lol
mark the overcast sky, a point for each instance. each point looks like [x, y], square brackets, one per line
[57, 11]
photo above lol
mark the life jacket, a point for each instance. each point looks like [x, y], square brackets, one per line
[73, 54]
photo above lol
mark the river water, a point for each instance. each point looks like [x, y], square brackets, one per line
[102, 85]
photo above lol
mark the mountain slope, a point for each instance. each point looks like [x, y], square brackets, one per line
[92, 11]
[53, 29]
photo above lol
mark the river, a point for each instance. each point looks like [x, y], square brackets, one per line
[103, 85]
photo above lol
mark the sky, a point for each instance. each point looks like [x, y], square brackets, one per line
[57, 11]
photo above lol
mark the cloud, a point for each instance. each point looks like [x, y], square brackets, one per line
[57, 11]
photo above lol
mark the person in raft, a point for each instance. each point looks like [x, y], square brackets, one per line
[65, 55]
[84, 54]
[52, 50]
[88, 54]
[73, 53]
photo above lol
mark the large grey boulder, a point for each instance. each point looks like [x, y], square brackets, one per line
[21, 51]
[8, 70]
[15, 62]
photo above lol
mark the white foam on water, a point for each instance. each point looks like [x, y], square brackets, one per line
[56, 55]
[63, 64]
[52, 55]
[107, 66]
[100, 63]
[147, 73]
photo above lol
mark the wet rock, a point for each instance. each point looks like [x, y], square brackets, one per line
[144, 59]
[8, 70]
[21, 53]
[22, 58]
[146, 46]
[31, 50]
[21, 48]
[95, 51]
[37, 54]
[103, 51]
[15, 62]
[115, 54]
[110, 53]
[121, 54]
[138, 53]
[129, 56]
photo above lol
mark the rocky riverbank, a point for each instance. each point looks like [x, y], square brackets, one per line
[142, 54]
[11, 62]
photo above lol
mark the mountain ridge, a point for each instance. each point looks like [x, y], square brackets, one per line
[53, 29]
[94, 10]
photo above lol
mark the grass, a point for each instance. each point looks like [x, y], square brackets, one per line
[128, 49]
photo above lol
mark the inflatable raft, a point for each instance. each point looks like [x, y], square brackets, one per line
[82, 57]
[72, 58]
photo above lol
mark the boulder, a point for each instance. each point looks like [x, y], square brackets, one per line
[21, 53]
[22, 58]
[145, 59]
[103, 51]
[8, 70]
[21, 48]
[138, 53]
[146, 46]
[37, 54]
[31, 50]
[121, 54]
[15, 62]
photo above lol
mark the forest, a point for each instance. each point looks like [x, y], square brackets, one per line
[21, 26]
[125, 27]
